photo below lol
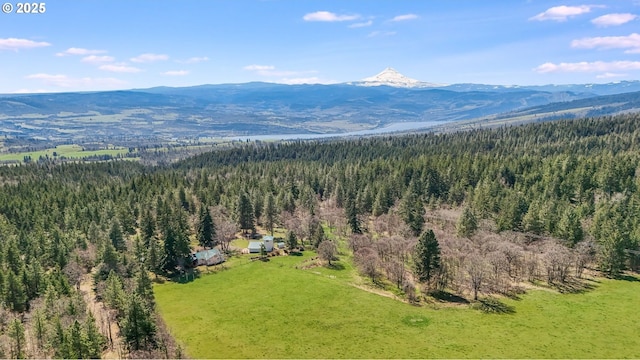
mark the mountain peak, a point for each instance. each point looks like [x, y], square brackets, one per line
[391, 77]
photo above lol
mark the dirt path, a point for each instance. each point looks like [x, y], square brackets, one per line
[377, 292]
[108, 327]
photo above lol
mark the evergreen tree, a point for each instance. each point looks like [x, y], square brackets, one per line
[109, 257]
[206, 234]
[16, 333]
[138, 325]
[270, 213]
[94, 340]
[76, 341]
[412, 209]
[59, 340]
[258, 205]
[352, 213]
[318, 236]
[39, 328]
[512, 209]
[147, 227]
[144, 288]
[114, 294]
[292, 240]
[382, 202]
[611, 231]
[245, 213]
[176, 241]
[426, 257]
[467, 223]
[15, 297]
[569, 227]
[531, 221]
[116, 236]
[155, 258]
[182, 198]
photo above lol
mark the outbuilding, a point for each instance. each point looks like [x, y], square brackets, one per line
[254, 246]
[209, 257]
[268, 242]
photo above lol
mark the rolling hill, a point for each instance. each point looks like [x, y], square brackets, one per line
[265, 108]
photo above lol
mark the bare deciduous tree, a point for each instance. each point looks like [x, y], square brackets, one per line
[409, 288]
[557, 262]
[359, 241]
[227, 231]
[584, 253]
[531, 266]
[395, 271]
[513, 256]
[367, 261]
[476, 268]
[327, 250]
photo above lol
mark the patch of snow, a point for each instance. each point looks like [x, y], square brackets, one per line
[391, 77]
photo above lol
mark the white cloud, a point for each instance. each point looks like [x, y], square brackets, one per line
[259, 67]
[29, 91]
[145, 58]
[563, 12]
[270, 71]
[613, 19]
[609, 75]
[18, 44]
[630, 42]
[176, 73]
[194, 60]
[584, 66]
[65, 81]
[329, 17]
[381, 33]
[119, 68]
[308, 80]
[95, 59]
[80, 51]
[362, 24]
[405, 17]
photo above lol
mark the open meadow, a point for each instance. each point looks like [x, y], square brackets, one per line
[67, 151]
[277, 309]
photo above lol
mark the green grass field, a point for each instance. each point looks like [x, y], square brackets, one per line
[68, 151]
[275, 310]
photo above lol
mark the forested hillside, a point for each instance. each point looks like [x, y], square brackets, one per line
[538, 202]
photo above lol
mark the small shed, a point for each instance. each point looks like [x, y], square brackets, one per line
[281, 245]
[254, 246]
[268, 242]
[209, 257]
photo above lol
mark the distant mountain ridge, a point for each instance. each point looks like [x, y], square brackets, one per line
[260, 108]
[391, 77]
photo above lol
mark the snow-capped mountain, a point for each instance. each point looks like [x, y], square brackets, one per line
[391, 77]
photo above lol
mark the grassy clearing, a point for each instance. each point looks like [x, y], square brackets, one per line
[68, 151]
[275, 310]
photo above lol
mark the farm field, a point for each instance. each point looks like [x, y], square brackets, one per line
[68, 151]
[277, 310]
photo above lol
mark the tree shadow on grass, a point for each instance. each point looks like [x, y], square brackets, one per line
[448, 297]
[574, 286]
[186, 276]
[494, 306]
[630, 278]
[336, 266]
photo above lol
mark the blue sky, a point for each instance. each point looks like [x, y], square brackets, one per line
[123, 44]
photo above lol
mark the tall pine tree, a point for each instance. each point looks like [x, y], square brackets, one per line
[206, 228]
[426, 257]
[244, 209]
